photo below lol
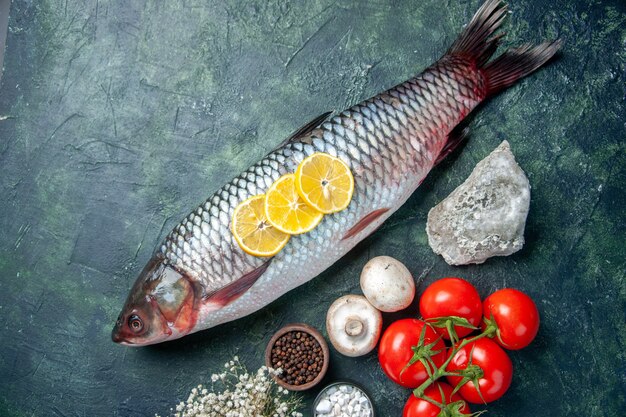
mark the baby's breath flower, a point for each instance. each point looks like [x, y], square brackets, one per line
[243, 394]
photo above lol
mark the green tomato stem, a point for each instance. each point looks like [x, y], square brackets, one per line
[441, 371]
[433, 402]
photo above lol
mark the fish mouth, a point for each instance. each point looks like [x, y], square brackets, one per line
[120, 340]
[117, 337]
[127, 340]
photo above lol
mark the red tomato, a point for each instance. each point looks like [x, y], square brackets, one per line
[515, 315]
[394, 351]
[495, 363]
[452, 297]
[416, 407]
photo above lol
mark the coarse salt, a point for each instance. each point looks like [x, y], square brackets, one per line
[343, 400]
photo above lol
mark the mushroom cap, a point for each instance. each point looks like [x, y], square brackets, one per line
[387, 284]
[353, 325]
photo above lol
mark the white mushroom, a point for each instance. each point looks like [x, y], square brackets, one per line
[353, 325]
[387, 284]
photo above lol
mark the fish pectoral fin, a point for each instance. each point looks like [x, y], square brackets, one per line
[236, 289]
[364, 222]
[455, 138]
[307, 128]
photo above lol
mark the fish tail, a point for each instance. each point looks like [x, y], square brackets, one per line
[517, 63]
[479, 42]
[476, 41]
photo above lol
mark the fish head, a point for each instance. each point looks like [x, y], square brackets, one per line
[160, 306]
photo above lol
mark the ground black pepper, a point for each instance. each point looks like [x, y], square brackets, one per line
[300, 357]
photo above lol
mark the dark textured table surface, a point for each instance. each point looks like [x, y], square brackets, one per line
[117, 118]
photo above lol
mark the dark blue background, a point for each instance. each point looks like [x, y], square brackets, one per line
[117, 118]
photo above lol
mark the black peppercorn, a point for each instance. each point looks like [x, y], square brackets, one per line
[300, 357]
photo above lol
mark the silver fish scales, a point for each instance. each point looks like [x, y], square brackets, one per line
[200, 277]
[390, 143]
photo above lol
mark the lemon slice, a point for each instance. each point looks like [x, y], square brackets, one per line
[325, 183]
[253, 232]
[286, 210]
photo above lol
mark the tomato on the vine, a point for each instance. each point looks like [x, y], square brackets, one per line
[515, 315]
[452, 297]
[497, 370]
[396, 350]
[417, 407]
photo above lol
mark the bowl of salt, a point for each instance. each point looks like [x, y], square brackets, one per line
[343, 399]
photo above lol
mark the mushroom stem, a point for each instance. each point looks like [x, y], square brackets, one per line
[354, 326]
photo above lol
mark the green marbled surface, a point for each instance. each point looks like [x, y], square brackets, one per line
[118, 117]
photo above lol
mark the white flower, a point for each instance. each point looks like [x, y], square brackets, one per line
[242, 395]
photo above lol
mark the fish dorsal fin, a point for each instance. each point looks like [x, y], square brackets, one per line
[307, 128]
[236, 289]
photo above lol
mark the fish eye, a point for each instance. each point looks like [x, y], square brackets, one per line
[135, 323]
